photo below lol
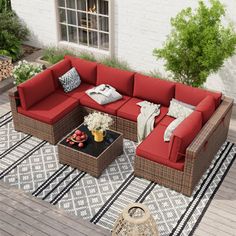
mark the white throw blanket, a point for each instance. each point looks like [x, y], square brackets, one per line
[146, 118]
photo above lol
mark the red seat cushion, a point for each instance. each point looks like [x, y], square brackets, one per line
[51, 109]
[206, 107]
[166, 120]
[155, 149]
[131, 110]
[78, 92]
[154, 90]
[110, 108]
[35, 89]
[121, 80]
[183, 135]
[60, 69]
[193, 96]
[87, 70]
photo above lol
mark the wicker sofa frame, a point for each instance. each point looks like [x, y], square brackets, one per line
[198, 155]
[51, 133]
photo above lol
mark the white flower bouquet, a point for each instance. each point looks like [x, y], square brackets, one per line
[98, 121]
[25, 70]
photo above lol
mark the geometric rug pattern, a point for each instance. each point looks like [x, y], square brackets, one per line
[31, 164]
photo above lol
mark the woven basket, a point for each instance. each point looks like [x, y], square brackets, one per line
[135, 220]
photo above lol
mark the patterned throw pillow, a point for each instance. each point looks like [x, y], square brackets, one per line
[70, 80]
[179, 109]
[171, 127]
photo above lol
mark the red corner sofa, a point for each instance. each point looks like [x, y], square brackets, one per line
[41, 108]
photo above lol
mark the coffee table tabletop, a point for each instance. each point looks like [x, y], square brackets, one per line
[94, 157]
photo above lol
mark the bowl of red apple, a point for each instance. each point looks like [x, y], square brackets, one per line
[78, 137]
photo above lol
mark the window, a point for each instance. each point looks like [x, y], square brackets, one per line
[85, 22]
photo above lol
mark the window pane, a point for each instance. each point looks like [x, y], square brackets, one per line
[61, 3]
[82, 20]
[103, 7]
[104, 23]
[71, 17]
[62, 15]
[93, 39]
[72, 34]
[92, 6]
[104, 41]
[92, 21]
[83, 36]
[63, 33]
[81, 5]
[70, 4]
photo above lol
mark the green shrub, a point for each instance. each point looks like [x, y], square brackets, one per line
[155, 74]
[114, 62]
[198, 44]
[5, 5]
[87, 56]
[54, 54]
[12, 34]
[24, 71]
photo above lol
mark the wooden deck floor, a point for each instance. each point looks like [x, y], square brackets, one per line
[219, 219]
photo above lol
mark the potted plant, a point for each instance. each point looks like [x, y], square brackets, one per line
[98, 123]
[198, 44]
[25, 70]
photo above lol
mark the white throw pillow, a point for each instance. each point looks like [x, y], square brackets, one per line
[70, 80]
[171, 127]
[179, 109]
[104, 96]
[184, 104]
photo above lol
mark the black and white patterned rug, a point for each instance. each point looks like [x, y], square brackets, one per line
[32, 165]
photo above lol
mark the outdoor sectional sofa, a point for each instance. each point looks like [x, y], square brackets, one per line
[41, 108]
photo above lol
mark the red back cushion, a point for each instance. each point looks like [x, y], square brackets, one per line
[121, 80]
[206, 107]
[183, 135]
[35, 89]
[87, 69]
[60, 69]
[153, 90]
[193, 96]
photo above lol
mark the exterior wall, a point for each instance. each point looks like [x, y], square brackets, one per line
[40, 18]
[139, 27]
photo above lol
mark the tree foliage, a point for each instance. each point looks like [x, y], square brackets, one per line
[198, 43]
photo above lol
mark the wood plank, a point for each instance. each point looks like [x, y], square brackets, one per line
[51, 213]
[20, 221]
[212, 230]
[8, 229]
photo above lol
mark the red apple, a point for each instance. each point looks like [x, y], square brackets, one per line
[80, 145]
[78, 138]
[82, 137]
[67, 140]
[74, 136]
[78, 132]
[71, 143]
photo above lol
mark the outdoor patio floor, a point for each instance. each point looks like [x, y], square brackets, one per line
[219, 219]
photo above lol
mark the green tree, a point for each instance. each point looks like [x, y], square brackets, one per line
[198, 44]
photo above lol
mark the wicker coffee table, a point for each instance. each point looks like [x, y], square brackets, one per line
[94, 157]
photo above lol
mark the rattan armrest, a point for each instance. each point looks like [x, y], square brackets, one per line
[13, 92]
[209, 128]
